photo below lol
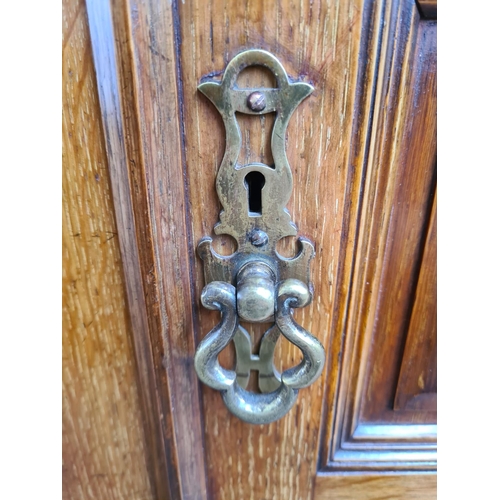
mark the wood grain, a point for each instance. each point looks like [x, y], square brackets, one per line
[136, 61]
[103, 439]
[376, 487]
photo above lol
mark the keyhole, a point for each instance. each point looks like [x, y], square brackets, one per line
[254, 182]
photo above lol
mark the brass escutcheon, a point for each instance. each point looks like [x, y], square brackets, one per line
[256, 284]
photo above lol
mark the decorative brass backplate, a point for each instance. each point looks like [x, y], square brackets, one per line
[256, 284]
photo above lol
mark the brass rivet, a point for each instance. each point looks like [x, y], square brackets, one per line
[256, 101]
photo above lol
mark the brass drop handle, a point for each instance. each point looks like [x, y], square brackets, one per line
[256, 284]
[268, 406]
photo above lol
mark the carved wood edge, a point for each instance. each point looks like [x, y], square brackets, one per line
[113, 52]
[428, 8]
[409, 393]
[372, 31]
[345, 443]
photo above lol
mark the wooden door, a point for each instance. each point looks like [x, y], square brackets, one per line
[363, 153]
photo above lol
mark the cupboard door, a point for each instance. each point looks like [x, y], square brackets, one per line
[362, 149]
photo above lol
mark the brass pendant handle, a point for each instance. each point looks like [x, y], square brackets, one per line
[256, 284]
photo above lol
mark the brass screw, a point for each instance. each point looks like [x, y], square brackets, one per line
[256, 101]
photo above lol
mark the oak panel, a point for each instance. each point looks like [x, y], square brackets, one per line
[363, 432]
[104, 446]
[404, 209]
